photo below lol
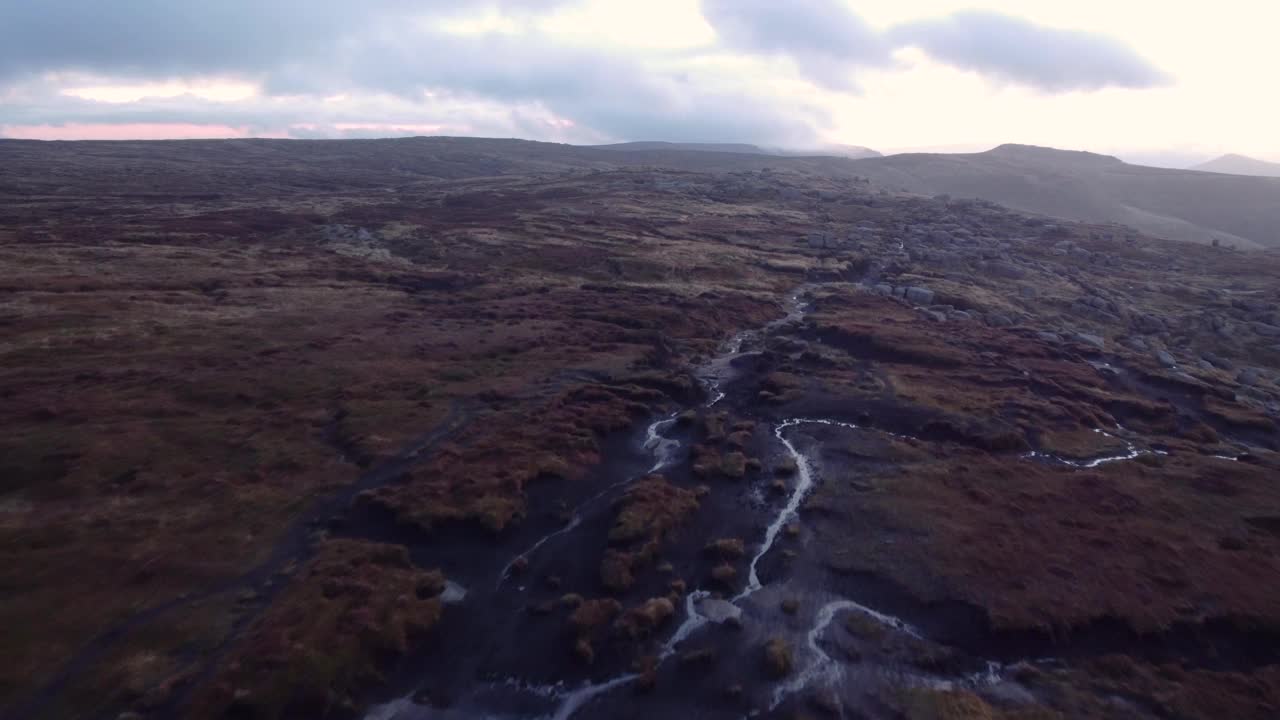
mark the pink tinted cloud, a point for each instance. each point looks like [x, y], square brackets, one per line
[122, 131]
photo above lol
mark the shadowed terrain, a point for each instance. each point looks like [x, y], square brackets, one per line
[1175, 204]
[442, 427]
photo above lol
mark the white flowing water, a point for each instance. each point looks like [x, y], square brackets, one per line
[663, 451]
[826, 671]
[453, 593]
[804, 482]
[576, 699]
[822, 668]
[694, 620]
[1131, 452]
[713, 373]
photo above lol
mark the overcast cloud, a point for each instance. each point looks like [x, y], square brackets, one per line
[827, 41]
[1022, 52]
[752, 71]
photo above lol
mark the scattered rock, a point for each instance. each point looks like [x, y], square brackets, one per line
[918, 295]
[1248, 376]
[1088, 339]
[1218, 362]
[1137, 344]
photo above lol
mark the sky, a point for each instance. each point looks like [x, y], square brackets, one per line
[1154, 81]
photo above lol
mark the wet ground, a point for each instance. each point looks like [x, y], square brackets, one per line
[497, 659]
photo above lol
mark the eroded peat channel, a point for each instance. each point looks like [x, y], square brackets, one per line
[728, 565]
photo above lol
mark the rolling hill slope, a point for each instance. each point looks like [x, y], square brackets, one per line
[1177, 204]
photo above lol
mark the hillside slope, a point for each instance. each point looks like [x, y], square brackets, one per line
[1177, 204]
[1240, 165]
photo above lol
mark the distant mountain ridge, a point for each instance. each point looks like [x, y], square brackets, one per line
[845, 151]
[1176, 204]
[1240, 165]
[641, 145]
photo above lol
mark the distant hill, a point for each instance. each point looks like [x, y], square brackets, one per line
[699, 147]
[1240, 165]
[844, 151]
[248, 166]
[855, 152]
[1175, 204]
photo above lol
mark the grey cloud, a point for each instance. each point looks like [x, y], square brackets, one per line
[825, 39]
[829, 43]
[1022, 52]
[611, 92]
[504, 85]
[150, 38]
[300, 49]
[387, 57]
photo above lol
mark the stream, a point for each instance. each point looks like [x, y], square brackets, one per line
[664, 451]
[815, 666]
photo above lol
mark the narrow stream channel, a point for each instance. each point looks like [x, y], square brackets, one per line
[701, 608]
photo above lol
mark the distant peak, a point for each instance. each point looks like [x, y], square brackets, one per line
[1041, 152]
[1236, 164]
